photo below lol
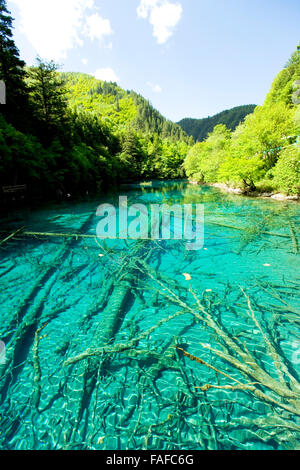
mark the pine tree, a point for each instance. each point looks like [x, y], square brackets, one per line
[132, 152]
[48, 98]
[12, 72]
[130, 145]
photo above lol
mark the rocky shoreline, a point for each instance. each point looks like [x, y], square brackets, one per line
[230, 189]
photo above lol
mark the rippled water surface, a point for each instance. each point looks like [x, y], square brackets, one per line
[144, 344]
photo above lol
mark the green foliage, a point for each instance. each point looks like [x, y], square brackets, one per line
[77, 133]
[296, 119]
[132, 153]
[119, 107]
[261, 147]
[48, 100]
[11, 71]
[282, 89]
[71, 133]
[199, 129]
[286, 173]
[241, 171]
[19, 163]
[150, 120]
[204, 159]
[295, 58]
[264, 133]
[86, 93]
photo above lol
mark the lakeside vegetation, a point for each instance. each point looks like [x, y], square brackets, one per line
[166, 319]
[66, 133]
[69, 133]
[263, 153]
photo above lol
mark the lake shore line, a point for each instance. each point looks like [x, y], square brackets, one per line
[241, 192]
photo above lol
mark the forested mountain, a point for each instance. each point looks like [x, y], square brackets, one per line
[200, 128]
[119, 107]
[263, 152]
[68, 133]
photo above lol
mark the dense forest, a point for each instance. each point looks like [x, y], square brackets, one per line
[69, 133]
[263, 152]
[200, 128]
[66, 133]
[119, 107]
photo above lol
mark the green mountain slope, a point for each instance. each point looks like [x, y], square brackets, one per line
[118, 107]
[200, 128]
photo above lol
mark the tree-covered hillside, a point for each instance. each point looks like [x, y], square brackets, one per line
[264, 151]
[119, 107]
[68, 133]
[231, 118]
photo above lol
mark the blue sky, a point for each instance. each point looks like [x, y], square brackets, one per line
[190, 58]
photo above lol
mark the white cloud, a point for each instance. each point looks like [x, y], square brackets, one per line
[145, 6]
[84, 61]
[53, 27]
[154, 88]
[163, 16]
[97, 27]
[106, 74]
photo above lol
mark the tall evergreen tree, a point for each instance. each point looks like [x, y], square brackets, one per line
[48, 99]
[12, 73]
[132, 152]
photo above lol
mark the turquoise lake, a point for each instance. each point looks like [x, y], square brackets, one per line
[143, 344]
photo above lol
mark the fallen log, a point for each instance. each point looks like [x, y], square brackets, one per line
[264, 232]
[35, 400]
[107, 328]
[294, 238]
[12, 235]
[28, 318]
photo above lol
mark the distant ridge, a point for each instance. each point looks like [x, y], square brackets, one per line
[200, 128]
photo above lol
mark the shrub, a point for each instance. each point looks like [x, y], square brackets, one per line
[286, 172]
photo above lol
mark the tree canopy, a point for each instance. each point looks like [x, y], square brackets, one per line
[263, 151]
[12, 71]
[199, 129]
[66, 133]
